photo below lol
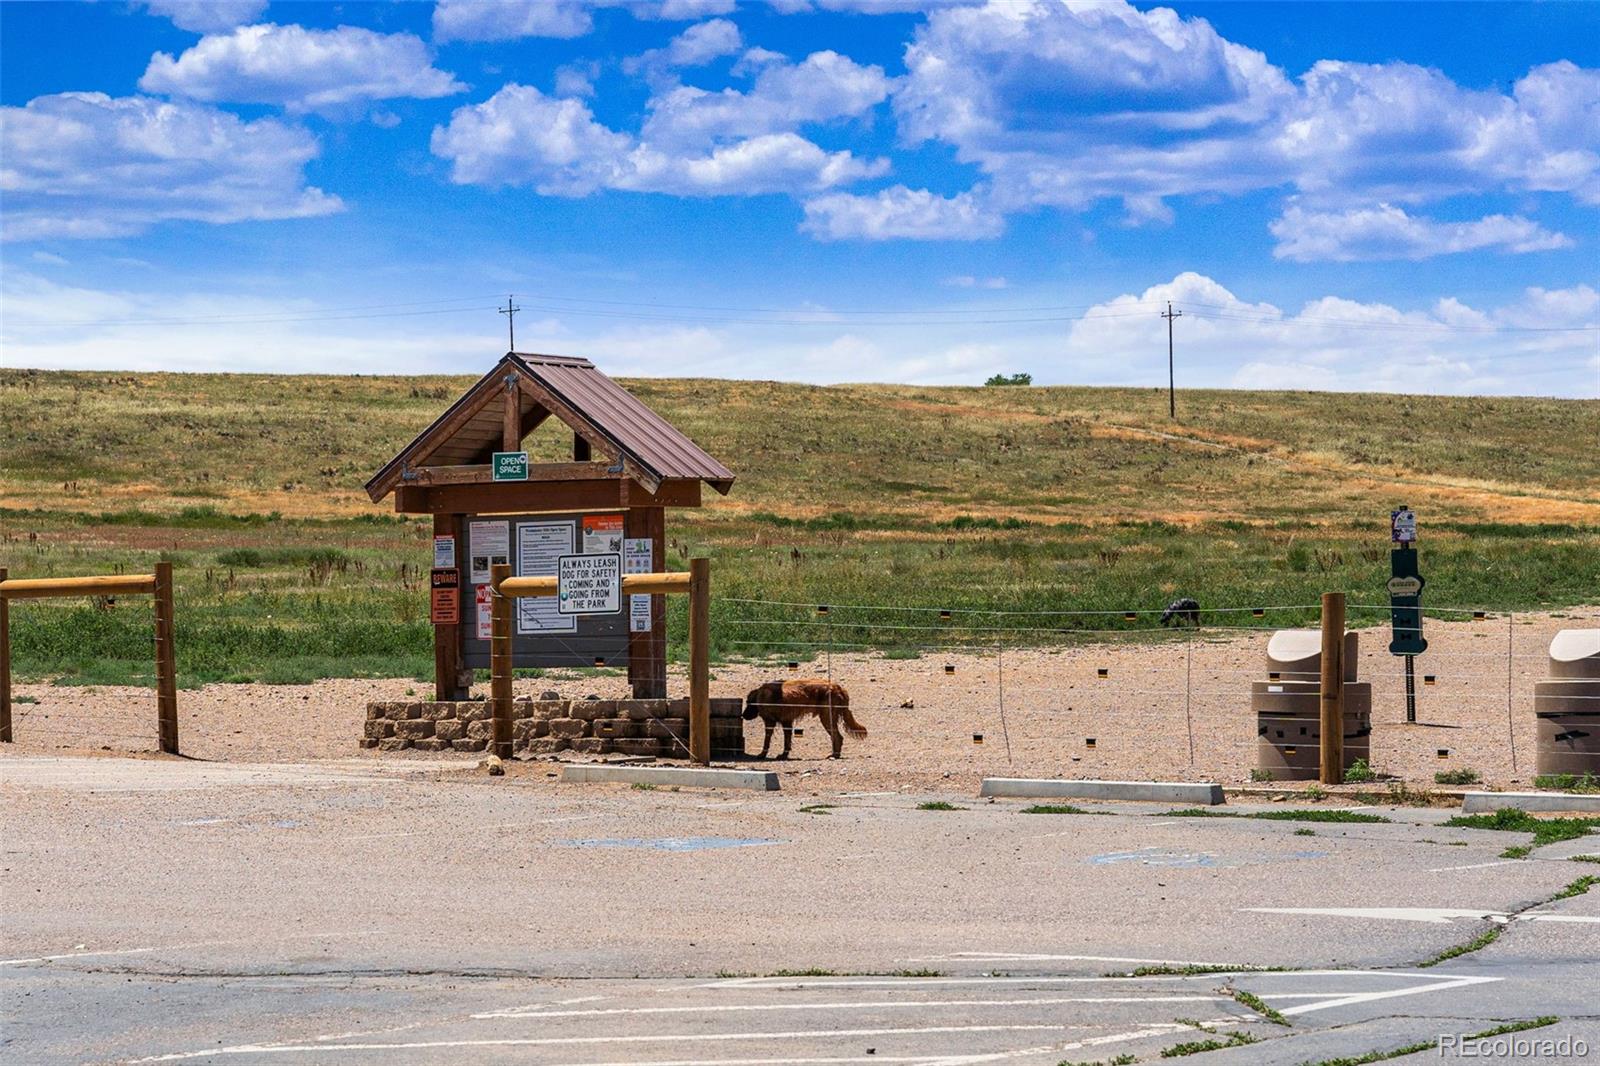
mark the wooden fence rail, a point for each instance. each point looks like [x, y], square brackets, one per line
[158, 584]
[696, 583]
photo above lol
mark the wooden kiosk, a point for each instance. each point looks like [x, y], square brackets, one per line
[628, 466]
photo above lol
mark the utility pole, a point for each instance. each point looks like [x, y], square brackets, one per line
[1172, 396]
[510, 311]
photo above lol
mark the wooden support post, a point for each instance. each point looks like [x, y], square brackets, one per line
[500, 664]
[1332, 688]
[5, 666]
[647, 652]
[511, 426]
[700, 661]
[447, 638]
[166, 663]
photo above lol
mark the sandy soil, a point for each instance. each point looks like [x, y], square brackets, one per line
[1178, 710]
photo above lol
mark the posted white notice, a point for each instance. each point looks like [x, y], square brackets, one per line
[491, 545]
[637, 558]
[540, 546]
[590, 584]
[444, 552]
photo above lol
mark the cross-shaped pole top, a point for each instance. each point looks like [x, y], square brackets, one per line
[510, 311]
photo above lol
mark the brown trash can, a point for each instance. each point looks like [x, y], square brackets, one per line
[1566, 707]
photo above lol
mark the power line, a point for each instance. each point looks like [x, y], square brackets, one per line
[789, 317]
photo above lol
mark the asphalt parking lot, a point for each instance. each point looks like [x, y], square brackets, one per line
[160, 910]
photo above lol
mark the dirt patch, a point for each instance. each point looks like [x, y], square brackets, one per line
[1178, 709]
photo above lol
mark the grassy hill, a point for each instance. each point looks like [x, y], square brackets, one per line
[1020, 498]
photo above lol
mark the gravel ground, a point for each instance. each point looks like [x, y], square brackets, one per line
[1035, 710]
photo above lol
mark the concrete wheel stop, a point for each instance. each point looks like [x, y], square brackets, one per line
[1205, 794]
[681, 776]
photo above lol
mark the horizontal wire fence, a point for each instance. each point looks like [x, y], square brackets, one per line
[1106, 692]
[1103, 693]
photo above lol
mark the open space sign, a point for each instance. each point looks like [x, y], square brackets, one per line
[590, 584]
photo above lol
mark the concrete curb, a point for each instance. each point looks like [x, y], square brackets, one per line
[1489, 802]
[685, 776]
[1207, 794]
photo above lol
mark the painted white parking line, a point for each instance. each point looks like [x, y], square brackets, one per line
[180, 947]
[911, 982]
[1445, 985]
[1014, 956]
[1165, 1029]
[559, 1041]
[1475, 866]
[882, 1004]
[1433, 915]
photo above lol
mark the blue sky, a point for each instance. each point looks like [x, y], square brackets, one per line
[1346, 196]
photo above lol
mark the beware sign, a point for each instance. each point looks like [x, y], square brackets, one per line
[589, 584]
[445, 601]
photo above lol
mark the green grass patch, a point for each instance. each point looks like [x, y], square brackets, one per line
[927, 509]
[938, 805]
[1457, 777]
[1124, 1059]
[1584, 858]
[1259, 1005]
[1277, 816]
[1196, 970]
[1232, 1038]
[1511, 820]
[1578, 887]
[1433, 1045]
[817, 808]
[1056, 808]
[1519, 851]
[1305, 832]
[1360, 773]
[1586, 784]
[1477, 943]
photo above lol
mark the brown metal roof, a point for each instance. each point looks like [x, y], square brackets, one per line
[470, 429]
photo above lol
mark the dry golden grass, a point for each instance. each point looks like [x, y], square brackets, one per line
[303, 446]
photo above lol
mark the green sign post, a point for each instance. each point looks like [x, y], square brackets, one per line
[510, 466]
[1405, 600]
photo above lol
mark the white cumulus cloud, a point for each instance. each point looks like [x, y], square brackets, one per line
[207, 16]
[509, 20]
[1068, 104]
[300, 69]
[519, 136]
[823, 87]
[901, 213]
[92, 165]
[1388, 232]
[694, 47]
[1337, 343]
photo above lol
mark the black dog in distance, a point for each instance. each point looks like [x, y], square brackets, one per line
[1181, 612]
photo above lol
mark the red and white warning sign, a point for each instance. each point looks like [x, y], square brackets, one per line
[484, 594]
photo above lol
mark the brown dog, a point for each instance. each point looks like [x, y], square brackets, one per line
[787, 701]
